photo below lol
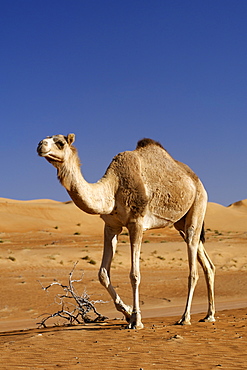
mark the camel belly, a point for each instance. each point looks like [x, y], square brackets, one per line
[150, 221]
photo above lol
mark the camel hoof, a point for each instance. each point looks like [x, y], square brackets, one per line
[135, 326]
[183, 322]
[135, 321]
[208, 319]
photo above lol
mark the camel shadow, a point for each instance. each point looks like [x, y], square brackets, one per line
[111, 325]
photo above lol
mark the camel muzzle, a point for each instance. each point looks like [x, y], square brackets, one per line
[42, 148]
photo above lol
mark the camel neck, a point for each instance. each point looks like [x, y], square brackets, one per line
[93, 198]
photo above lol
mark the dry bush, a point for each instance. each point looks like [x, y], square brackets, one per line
[74, 308]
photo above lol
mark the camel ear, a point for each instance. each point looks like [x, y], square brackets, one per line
[71, 138]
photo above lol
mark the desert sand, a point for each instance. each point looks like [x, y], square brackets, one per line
[40, 242]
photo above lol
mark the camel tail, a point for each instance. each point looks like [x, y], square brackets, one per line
[202, 236]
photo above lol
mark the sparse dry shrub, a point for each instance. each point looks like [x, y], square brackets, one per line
[74, 308]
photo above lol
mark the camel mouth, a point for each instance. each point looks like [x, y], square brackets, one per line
[49, 156]
[46, 153]
[42, 154]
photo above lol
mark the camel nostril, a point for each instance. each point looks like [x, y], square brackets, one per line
[42, 143]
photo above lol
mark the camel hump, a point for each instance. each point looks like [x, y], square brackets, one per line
[145, 142]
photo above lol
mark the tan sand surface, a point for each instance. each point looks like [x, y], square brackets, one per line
[40, 242]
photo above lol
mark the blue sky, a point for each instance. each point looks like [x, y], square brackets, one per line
[115, 71]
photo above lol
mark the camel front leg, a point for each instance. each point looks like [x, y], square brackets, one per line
[136, 233]
[110, 245]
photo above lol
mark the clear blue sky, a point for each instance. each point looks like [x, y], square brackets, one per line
[115, 71]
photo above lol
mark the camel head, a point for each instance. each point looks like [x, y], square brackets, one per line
[56, 149]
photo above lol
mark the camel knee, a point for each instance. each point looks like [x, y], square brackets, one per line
[209, 269]
[193, 279]
[104, 277]
[189, 235]
[210, 272]
[135, 278]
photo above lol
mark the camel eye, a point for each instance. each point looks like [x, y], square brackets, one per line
[59, 144]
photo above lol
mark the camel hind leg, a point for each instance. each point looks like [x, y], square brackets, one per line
[136, 232]
[196, 251]
[209, 272]
[192, 241]
[190, 228]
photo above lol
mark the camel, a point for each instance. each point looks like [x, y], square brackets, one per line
[141, 189]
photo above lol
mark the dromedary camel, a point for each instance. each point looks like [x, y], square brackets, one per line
[141, 189]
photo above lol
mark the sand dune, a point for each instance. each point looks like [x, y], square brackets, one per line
[34, 215]
[232, 218]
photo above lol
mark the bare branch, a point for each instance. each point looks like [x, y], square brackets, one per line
[74, 308]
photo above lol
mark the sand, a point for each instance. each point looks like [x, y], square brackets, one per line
[40, 242]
